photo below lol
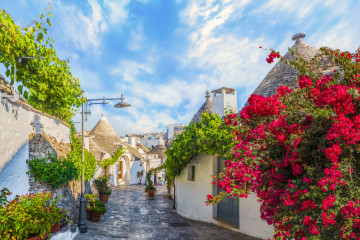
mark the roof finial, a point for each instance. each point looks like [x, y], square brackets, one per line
[298, 37]
[207, 94]
[103, 115]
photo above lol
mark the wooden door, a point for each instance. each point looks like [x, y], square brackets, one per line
[120, 170]
[228, 208]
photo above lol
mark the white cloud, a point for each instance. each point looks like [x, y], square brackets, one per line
[84, 29]
[118, 12]
[129, 70]
[137, 38]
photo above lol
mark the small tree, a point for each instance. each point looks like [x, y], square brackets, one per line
[140, 174]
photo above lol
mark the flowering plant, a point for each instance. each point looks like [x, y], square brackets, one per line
[299, 151]
[94, 204]
[3, 196]
[30, 214]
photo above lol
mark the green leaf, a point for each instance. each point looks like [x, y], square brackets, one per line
[20, 88]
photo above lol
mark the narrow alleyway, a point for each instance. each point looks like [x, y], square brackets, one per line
[131, 215]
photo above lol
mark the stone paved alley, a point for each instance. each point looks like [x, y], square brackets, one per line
[131, 215]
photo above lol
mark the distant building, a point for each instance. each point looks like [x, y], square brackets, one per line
[174, 129]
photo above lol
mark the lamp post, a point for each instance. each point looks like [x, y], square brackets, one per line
[82, 212]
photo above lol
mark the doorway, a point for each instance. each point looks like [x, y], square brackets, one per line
[228, 208]
[120, 170]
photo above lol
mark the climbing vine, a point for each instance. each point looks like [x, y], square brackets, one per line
[45, 81]
[113, 159]
[75, 156]
[209, 136]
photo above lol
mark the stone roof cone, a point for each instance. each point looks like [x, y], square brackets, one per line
[282, 74]
[159, 149]
[206, 107]
[104, 128]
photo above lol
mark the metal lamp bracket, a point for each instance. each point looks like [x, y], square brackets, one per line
[5, 96]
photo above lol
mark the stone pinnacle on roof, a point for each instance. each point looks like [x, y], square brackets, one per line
[103, 127]
[298, 37]
[206, 107]
[282, 74]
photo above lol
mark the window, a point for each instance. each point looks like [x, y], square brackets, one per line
[191, 173]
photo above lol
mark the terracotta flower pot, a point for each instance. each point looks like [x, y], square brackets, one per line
[94, 216]
[56, 228]
[150, 193]
[104, 198]
[37, 237]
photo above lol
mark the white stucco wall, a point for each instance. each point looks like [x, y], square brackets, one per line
[191, 195]
[135, 167]
[250, 221]
[17, 122]
[224, 102]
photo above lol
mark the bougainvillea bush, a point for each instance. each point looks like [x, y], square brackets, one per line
[298, 150]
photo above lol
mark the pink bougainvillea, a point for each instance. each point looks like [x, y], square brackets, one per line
[298, 150]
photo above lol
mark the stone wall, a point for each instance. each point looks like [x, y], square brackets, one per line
[40, 146]
[25, 133]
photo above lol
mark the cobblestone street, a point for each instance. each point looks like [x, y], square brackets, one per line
[131, 215]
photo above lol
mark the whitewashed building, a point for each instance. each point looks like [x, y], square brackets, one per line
[104, 142]
[194, 182]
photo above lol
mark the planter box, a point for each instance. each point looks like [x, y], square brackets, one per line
[104, 198]
[150, 193]
[94, 216]
[56, 228]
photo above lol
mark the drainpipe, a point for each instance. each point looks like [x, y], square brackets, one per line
[174, 194]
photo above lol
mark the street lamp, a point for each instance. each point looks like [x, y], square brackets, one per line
[82, 212]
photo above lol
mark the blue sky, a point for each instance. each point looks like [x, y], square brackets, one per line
[164, 54]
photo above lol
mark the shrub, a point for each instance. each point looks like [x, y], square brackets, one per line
[94, 204]
[102, 185]
[52, 170]
[299, 151]
[28, 215]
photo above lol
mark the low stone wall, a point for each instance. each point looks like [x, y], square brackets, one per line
[27, 133]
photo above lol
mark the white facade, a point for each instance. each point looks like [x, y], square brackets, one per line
[18, 122]
[224, 101]
[171, 130]
[191, 196]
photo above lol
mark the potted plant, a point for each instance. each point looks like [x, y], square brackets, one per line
[169, 196]
[96, 208]
[140, 174]
[160, 180]
[150, 189]
[59, 218]
[103, 187]
[28, 217]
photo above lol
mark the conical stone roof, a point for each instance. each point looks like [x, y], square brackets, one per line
[206, 107]
[105, 137]
[104, 128]
[282, 74]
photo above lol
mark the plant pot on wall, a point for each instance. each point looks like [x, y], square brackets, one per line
[37, 237]
[56, 228]
[94, 216]
[150, 193]
[104, 198]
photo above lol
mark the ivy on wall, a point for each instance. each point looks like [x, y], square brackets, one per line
[209, 136]
[75, 156]
[54, 171]
[44, 81]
